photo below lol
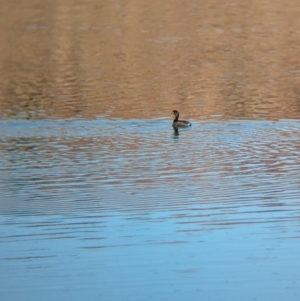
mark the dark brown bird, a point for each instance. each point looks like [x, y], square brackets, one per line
[179, 123]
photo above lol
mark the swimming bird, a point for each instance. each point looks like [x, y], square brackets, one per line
[179, 123]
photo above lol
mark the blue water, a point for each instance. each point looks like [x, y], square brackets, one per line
[126, 210]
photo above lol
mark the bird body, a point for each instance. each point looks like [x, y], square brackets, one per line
[179, 123]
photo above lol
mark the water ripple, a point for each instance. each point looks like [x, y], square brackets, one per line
[139, 166]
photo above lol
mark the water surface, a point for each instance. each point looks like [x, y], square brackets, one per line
[142, 60]
[100, 199]
[128, 210]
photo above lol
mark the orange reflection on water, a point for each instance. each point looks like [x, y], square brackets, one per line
[137, 59]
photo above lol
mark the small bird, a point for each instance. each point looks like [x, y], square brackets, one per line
[179, 123]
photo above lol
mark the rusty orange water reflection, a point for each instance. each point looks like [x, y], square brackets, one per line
[69, 59]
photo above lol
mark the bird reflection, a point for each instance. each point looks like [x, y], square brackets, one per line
[176, 131]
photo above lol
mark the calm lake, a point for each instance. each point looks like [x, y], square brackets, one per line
[100, 199]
